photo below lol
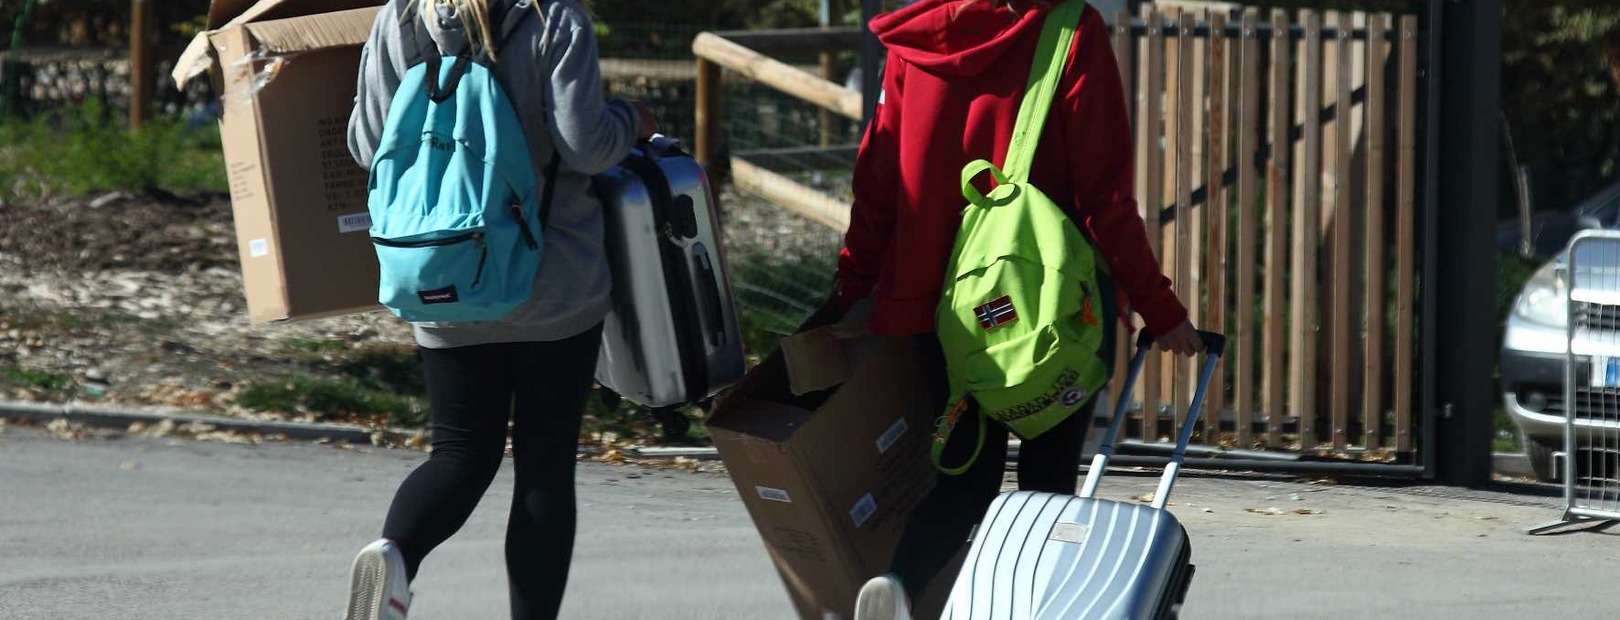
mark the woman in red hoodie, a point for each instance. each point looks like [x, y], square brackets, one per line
[955, 76]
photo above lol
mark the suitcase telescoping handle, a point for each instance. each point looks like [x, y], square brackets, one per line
[1214, 346]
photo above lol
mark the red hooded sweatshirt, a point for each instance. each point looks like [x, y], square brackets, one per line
[955, 77]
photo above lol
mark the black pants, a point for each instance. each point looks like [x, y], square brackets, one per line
[474, 391]
[1050, 463]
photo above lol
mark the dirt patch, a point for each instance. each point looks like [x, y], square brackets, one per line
[120, 232]
[137, 301]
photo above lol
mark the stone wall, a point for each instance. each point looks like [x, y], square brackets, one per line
[40, 81]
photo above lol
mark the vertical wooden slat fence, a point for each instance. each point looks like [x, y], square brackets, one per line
[1305, 331]
[1378, 55]
[1186, 286]
[1277, 174]
[1248, 150]
[1266, 143]
[1277, 167]
[1215, 221]
[1149, 124]
[1406, 235]
[1341, 306]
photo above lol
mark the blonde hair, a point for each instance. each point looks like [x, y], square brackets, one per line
[475, 18]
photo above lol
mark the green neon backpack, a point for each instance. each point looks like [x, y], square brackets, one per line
[1017, 322]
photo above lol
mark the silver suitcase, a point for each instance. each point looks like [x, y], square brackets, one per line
[1042, 556]
[672, 337]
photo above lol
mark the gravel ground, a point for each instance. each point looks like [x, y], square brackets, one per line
[137, 301]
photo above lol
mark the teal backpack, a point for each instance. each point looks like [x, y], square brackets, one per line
[454, 214]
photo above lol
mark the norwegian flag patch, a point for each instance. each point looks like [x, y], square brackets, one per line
[996, 313]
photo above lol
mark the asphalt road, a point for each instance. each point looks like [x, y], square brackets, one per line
[157, 529]
[151, 529]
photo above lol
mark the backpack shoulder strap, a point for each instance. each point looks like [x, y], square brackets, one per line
[1051, 56]
[510, 24]
[415, 32]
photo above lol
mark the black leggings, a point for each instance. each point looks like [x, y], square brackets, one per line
[474, 391]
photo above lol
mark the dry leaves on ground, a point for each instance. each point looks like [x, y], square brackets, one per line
[1275, 511]
[200, 431]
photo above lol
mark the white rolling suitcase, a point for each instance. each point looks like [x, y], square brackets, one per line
[672, 338]
[1041, 556]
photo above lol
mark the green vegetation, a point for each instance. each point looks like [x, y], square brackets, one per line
[84, 150]
[305, 345]
[333, 399]
[776, 293]
[17, 377]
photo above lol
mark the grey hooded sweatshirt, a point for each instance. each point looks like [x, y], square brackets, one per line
[550, 71]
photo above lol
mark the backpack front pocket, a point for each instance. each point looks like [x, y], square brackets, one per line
[1033, 382]
[437, 278]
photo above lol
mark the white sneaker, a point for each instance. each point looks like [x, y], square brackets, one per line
[882, 598]
[378, 588]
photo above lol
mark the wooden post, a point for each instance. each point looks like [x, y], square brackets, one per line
[1344, 222]
[1185, 285]
[1125, 53]
[1248, 131]
[1276, 252]
[1167, 365]
[832, 12]
[1378, 54]
[707, 123]
[1215, 220]
[1406, 233]
[141, 68]
[1150, 193]
[1307, 231]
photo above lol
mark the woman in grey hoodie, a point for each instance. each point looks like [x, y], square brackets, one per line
[536, 366]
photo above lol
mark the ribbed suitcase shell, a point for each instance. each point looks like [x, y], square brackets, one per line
[1044, 556]
[1041, 556]
[672, 338]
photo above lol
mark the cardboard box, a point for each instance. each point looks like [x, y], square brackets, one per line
[286, 70]
[830, 477]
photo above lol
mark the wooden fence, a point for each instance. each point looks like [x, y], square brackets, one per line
[1276, 169]
[1286, 220]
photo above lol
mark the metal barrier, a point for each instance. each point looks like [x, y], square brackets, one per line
[1590, 457]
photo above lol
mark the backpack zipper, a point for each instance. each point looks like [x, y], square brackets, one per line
[483, 256]
[461, 238]
[523, 227]
[478, 237]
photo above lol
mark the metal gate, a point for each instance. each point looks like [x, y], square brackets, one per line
[1283, 166]
[1590, 459]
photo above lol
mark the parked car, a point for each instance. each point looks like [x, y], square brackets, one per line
[1534, 344]
[1550, 232]
[1532, 365]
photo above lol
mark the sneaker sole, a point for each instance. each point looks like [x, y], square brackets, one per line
[878, 604]
[366, 587]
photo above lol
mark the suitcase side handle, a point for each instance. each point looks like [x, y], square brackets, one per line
[1214, 347]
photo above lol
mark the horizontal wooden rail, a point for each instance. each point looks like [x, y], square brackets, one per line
[803, 158]
[790, 194]
[669, 70]
[796, 39]
[1171, 29]
[778, 75]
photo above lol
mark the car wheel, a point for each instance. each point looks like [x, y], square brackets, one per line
[1540, 453]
